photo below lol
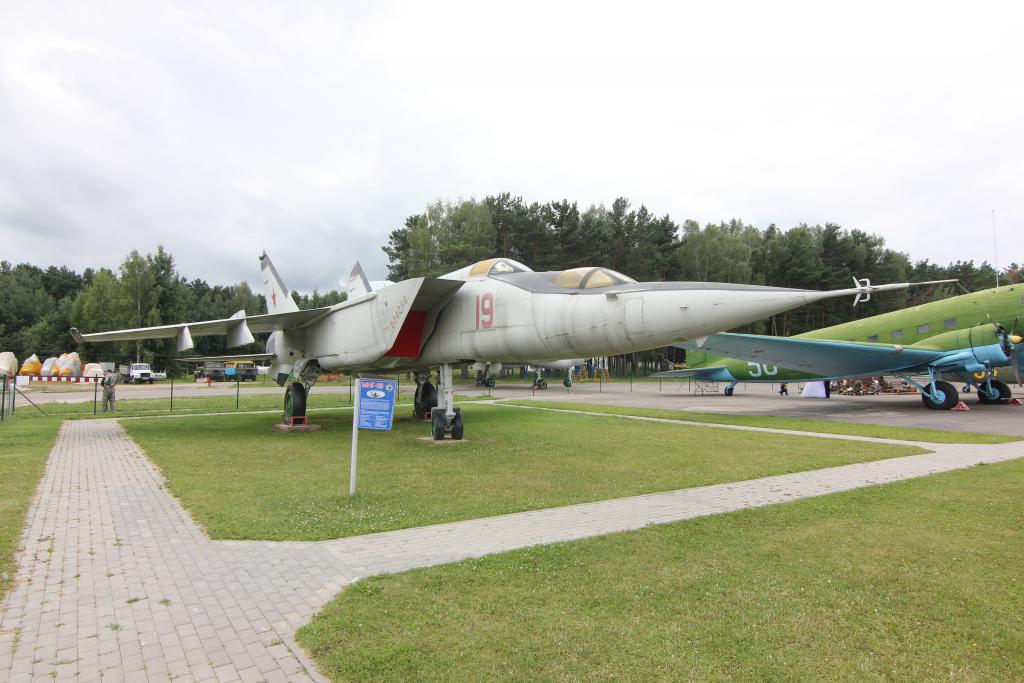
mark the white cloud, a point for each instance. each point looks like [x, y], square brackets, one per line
[311, 131]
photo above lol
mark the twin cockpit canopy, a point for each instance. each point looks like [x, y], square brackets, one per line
[591, 278]
[497, 266]
[574, 278]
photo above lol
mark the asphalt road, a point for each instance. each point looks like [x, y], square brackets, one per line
[749, 399]
[762, 400]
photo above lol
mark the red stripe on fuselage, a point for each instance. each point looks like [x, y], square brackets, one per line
[407, 344]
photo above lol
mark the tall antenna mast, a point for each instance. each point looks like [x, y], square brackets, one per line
[995, 249]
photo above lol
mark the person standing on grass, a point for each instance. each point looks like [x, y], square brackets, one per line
[109, 384]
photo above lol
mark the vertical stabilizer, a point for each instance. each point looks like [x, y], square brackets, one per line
[279, 298]
[358, 285]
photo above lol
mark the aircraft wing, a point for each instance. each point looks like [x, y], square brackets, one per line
[240, 356]
[238, 328]
[711, 373]
[820, 357]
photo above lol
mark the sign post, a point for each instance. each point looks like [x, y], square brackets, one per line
[374, 409]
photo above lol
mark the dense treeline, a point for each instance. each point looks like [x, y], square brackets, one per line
[645, 246]
[39, 307]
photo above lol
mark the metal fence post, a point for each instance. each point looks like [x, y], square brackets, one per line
[238, 389]
[95, 395]
[172, 392]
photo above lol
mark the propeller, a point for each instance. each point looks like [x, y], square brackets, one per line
[1015, 356]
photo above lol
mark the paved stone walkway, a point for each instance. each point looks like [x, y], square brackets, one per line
[116, 580]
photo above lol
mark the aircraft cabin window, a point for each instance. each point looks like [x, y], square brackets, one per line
[482, 267]
[496, 266]
[503, 266]
[600, 278]
[571, 279]
[590, 278]
[896, 334]
[921, 329]
[950, 324]
[873, 338]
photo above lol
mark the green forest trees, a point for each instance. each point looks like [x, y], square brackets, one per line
[39, 306]
[639, 243]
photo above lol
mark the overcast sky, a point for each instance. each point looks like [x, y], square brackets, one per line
[312, 129]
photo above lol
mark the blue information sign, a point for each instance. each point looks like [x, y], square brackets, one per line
[377, 403]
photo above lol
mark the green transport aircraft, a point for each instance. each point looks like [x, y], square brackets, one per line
[967, 339]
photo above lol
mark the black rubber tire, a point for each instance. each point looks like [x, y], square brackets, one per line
[950, 397]
[437, 424]
[1005, 393]
[999, 386]
[150, 381]
[542, 383]
[457, 428]
[294, 402]
[567, 382]
[985, 397]
[729, 390]
[491, 382]
[426, 399]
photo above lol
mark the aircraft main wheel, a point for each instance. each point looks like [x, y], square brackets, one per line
[294, 402]
[457, 425]
[947, 395]
[997, 393]
[437, 424]
[729, 390]
[567, 382]
[542, 383]
[426, 399]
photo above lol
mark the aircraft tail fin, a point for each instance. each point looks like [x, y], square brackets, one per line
[358, 285]
[279, 297]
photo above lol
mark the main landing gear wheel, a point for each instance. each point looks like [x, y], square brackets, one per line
[294, 402]
[426, 399]
[729, 390]
[947, 396]
[567, 382]
[439, 424]
[996, 393]
[541, 383]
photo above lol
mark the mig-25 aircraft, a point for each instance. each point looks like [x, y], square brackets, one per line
[963, 338]
[493, 311]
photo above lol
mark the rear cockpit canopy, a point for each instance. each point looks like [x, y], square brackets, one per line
[484, 269]
[591, 278]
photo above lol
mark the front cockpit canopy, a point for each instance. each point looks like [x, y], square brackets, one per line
[591, 278]
[487, 268]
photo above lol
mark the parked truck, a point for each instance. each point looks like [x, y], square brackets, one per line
[135, 373]
[214, 370]
[241, 371]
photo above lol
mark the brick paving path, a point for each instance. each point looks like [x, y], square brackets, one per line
[116, 579]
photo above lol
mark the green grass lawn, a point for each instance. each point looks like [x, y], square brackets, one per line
[133, 407]
[240, 480]
[918, 580]
[795, 423]
[24, 446]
